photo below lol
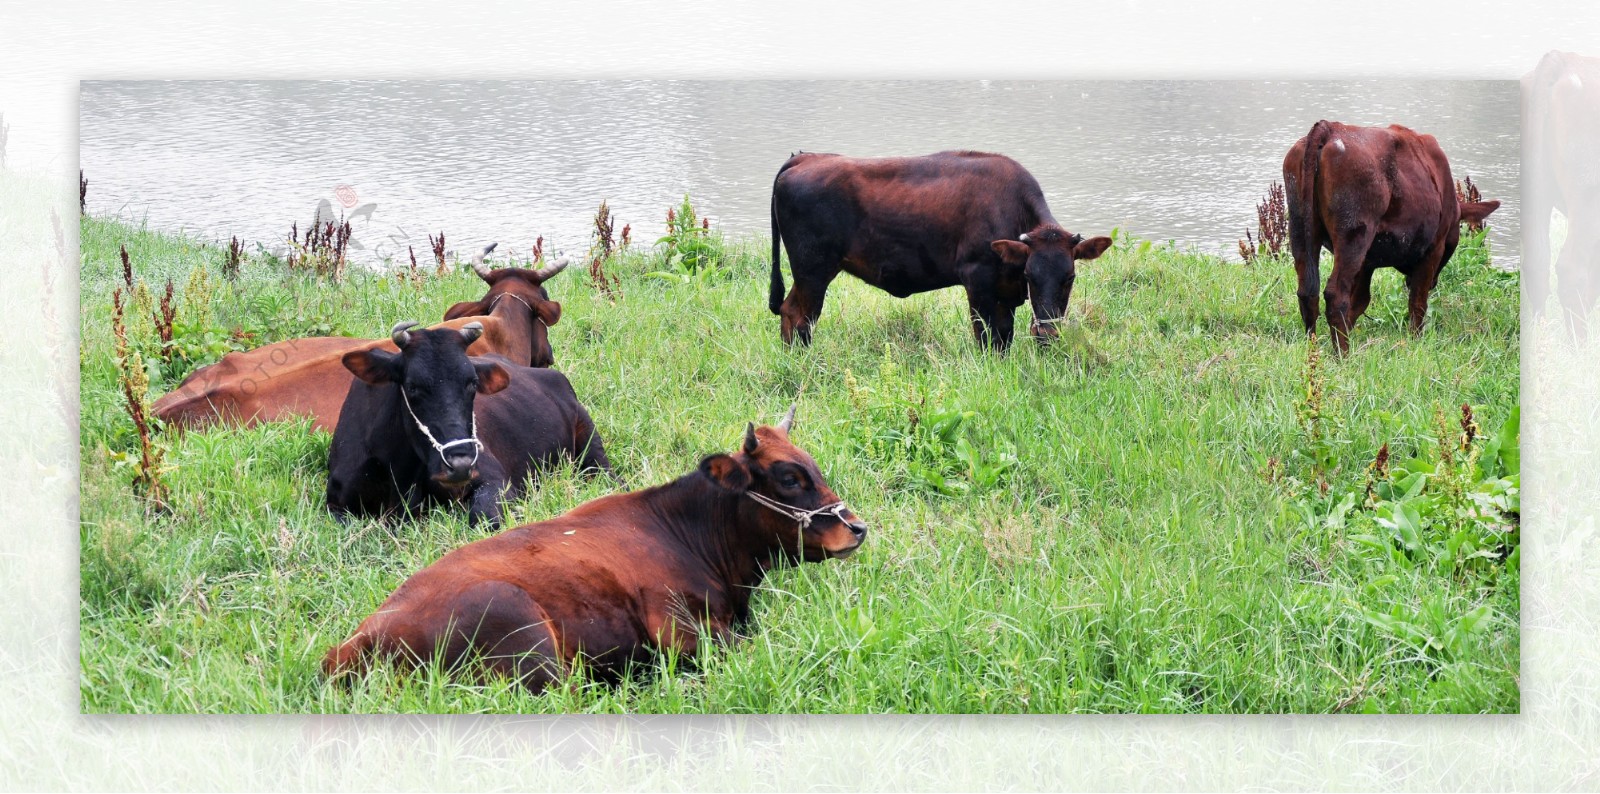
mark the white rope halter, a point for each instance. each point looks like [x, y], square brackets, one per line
[802, 517]
[477, 446]
[518, 299]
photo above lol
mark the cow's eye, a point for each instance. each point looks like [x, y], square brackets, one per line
[789, 480]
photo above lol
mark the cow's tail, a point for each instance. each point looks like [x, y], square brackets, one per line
[1315, 140]
[775, 295]
[348, 658]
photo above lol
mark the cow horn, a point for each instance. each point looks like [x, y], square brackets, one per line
[788, 420]
[549, 271]
[750, 438]
[478, 266]
[1024, 237]
[471, 331]
[400, 335]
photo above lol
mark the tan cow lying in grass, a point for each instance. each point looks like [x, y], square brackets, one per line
[306, 377]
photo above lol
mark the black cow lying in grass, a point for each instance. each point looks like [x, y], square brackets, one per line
[413, 430]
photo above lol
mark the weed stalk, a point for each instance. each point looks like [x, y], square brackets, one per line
[413, 273]
[163, 316]
[1272, 228]
[232, 259]
[441, 268]
[127, 270]
[1467, 193]
[1377, 471]
[1312, 414]
[135, 388]
[323, 248]
[600, 252]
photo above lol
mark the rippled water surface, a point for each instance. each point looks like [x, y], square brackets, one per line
[508, 161]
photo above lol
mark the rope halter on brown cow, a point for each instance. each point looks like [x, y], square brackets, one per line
[517, 298]
[801, 516]
[541, 275]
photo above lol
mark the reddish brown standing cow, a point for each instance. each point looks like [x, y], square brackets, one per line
[914, 224]
[618, 579]
[1561, 173]
[305, 377]
[1376, 197]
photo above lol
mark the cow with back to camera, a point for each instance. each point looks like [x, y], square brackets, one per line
[1377, 197]
[913, 224]
[429, 424]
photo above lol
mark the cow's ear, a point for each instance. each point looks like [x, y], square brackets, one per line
[550, 312]
[1090, 248]
[491, 376]
[464, 309]
[373, 366]
[726, 471]
[1010, 251]
[1476, 212]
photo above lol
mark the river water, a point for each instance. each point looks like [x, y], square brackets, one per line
[510, 161]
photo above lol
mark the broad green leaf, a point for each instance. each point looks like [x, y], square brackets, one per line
[1510, 443]
[1336, 516]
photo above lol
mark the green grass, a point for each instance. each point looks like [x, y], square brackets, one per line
[1128, 520]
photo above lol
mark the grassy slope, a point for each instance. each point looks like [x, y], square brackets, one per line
[1140, 557]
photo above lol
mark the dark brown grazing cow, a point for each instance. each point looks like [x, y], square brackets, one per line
[618, 579]
[1561, 173]
[914, 224]
[304, 377]
[1376, 197]
[430, 424]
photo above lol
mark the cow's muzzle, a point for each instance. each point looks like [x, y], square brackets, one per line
[458, 466]
[858, 531]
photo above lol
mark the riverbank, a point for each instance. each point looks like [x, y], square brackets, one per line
[1150, 515]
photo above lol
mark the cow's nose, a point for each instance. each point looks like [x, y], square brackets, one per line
[857, 527]
[460, 464]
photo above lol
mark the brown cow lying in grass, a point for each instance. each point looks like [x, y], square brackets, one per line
[305, 377]
[618, 579]
[1377, 197]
